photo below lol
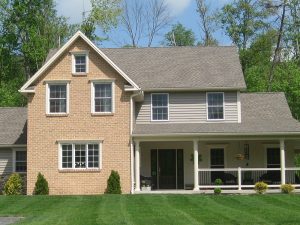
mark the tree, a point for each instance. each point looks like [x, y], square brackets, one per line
[104, 14]
[243, 20]
[144, 19]
[180, 36]
[207, 23]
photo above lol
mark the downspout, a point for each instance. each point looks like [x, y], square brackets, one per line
[132, 115]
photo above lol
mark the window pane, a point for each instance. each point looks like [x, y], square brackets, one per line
[160, 107]
[80, 63]
[80, 156]
[21, 161]
[103, 97]
[67, 156]
[215, 105]
[58, 98]
[93, 158]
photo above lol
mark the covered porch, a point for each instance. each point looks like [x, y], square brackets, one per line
[193, 164]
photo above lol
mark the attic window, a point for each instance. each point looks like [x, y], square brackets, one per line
[80, 63]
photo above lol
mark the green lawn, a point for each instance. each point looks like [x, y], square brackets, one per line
[154, 209]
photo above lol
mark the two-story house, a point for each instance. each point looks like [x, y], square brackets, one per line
[168, 118]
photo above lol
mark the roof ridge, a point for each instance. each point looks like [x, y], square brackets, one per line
[263, 92]
[172, 47]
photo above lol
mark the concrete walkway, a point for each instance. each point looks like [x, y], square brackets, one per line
[9, 220]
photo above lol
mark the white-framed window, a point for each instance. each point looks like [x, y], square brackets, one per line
[20, 161]
[57, 98]
[215, 105]
[159, 106]
[102, 97]
[80, 156]
[80, 62]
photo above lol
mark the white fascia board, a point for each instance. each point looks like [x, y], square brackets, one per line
[60, 51]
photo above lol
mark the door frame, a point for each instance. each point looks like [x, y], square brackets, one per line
[176, 165]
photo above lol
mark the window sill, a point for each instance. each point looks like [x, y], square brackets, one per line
[57, 115]
[79, 170]
[80, 74]
[102, 114]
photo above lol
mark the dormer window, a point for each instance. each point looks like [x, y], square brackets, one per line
[215, 105]
[80, 63]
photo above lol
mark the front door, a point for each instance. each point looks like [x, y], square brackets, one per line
[217, 162]
[273, 161]
[167, 168]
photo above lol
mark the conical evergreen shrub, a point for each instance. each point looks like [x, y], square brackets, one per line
[113, 183]
[41, 186]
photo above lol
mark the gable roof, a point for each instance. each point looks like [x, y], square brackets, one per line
[55, 54]
[203, 68]
[13, 123]
[262, 114]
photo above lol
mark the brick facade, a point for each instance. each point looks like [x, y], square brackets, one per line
[44, 131]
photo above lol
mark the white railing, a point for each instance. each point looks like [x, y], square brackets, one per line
[243, 178]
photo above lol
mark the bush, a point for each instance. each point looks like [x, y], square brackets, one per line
[287, 188]
[113, 183]
[41, 186]
[13, 185]
[217, 191]
[218, 181]
[261, 187]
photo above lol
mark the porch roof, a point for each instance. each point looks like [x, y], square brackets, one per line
[262, 113]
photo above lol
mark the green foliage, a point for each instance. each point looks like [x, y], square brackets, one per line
[287, 188]
[41, 186]
[13, 185]
[217, 191]
[218, 182]
[180, 36]
[104, 14]
[297, 164]
[243, 19]
[261, 187]
[113, 183]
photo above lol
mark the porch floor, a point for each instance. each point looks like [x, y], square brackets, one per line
[245, 192]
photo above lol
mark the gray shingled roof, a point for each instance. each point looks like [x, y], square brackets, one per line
[13, 126]
[180, 67]
[261, 113]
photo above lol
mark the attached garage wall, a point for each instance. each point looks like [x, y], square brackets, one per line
[6, 161]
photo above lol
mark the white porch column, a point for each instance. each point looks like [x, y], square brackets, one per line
[196, 168]
[282, 161]
[137, 166]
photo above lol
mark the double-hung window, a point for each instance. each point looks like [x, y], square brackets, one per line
[20, 161]
[80, 63]
[160, 106]
[80, 156]
[215, 105]
[57, 98]
[103, 97]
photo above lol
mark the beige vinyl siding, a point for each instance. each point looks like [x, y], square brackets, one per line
[188, 107]
[6, 158]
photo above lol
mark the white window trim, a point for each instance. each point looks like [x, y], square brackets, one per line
[112, 82]
[48, 95]
[14, 150]
[73, 143]
[217, 146]
[151, 113]
[207, 106]
[80, 53]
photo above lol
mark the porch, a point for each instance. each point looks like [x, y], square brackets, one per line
[193, 165]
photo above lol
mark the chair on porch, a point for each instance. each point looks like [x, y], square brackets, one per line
[227, 178]
[271, 177]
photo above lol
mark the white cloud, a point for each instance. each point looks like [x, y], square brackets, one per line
[178, 6]
[72, 9]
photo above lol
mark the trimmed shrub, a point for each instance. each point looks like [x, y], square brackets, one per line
[13, 185]
[217, 191]
[287, 188]
[113, 183]
[261, 187]
[218, 181]
[41, 185]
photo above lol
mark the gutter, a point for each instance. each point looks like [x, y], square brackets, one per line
[132, 114]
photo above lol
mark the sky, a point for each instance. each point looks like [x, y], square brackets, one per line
[183, 11]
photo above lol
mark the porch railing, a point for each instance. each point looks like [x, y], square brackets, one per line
[243, 178]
